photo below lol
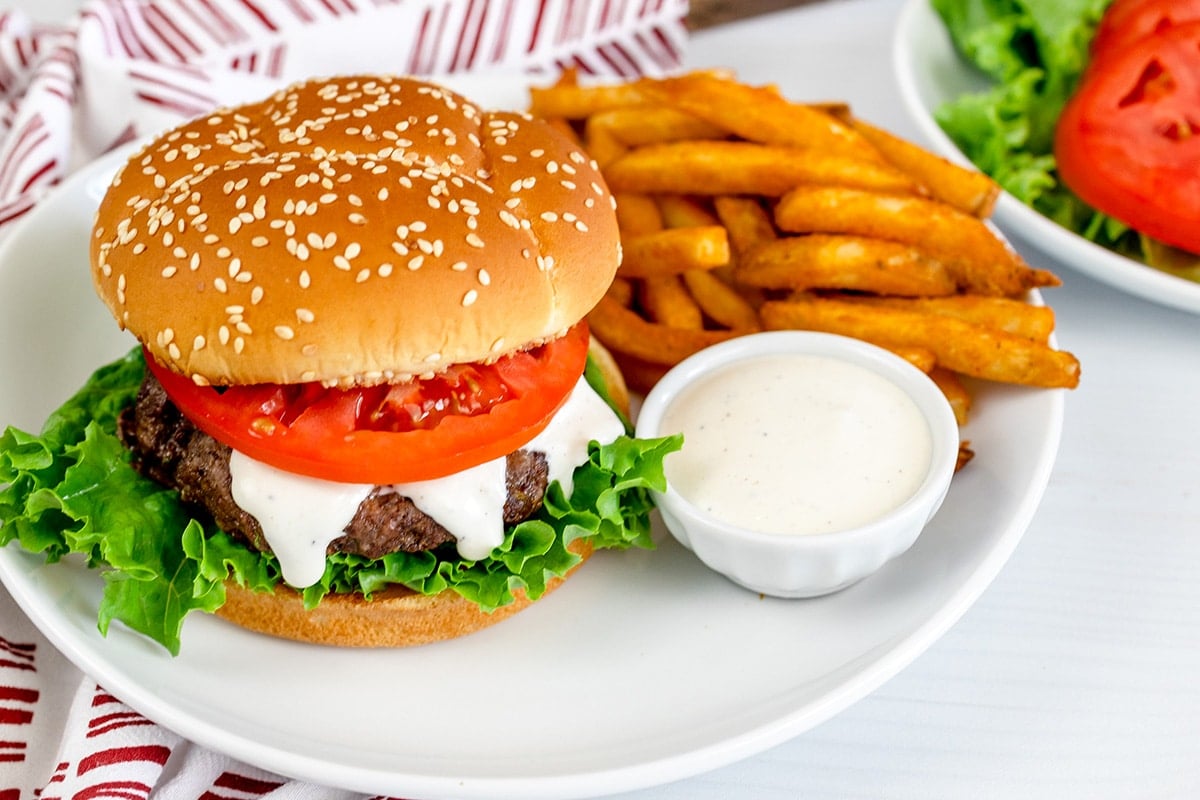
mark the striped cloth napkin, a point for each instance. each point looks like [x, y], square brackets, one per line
[123, 69]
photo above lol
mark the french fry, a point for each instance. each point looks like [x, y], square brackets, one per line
[720, 301]
[720, 167]
[623, 331]
[742, 210]
[572, 101]
[759, 114]
[636, 126]
[920, 357]
[1001, 313]
[563, 126]
[602, 146]
[747, 221]
[637, 214]
[674, 250]
[954, 390]
[640, 375]
[960, 346]
[965, 454]
[980, 261]
[666, 300]
[829, 261]
[680, 211]
[967, 190]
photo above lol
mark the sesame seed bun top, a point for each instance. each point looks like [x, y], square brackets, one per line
[352, 230]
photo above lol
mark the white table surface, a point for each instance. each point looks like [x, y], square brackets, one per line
[1077, 673]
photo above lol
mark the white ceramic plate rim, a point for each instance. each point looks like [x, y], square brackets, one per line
[924, 61]
[644, 601]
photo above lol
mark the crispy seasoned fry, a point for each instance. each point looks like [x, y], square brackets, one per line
[1001, 313]
[635, 126]
[968, 190]
[965, 454]
[860, 263]
[578, 102]
[563, 126]
[621, 291]
[602, 146]
[720, 167]
[640, 375]
[743, 210]
[674, 250]
[759, 114]
[679, 211]
[625, 332]
[920, 357]
[720, 301]
[960, 346]
[748, 222]
[666, 300]
[956, 392]
[637, 214]
[979, 260]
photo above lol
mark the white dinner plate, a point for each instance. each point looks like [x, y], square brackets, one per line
[643, 669]
[930, 72]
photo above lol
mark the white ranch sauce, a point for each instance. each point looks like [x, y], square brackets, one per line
[300, 516]
[797, 444]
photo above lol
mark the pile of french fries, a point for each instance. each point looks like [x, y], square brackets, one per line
[741, 211]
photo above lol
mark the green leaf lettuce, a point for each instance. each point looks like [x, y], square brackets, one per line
[72, 489]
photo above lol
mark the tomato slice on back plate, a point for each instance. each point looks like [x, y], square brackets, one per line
[1126, 21]
[396, 433]
[1128, 141]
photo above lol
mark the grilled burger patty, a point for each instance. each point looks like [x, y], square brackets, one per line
[171, 450]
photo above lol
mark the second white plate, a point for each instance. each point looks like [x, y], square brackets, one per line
[931, 72]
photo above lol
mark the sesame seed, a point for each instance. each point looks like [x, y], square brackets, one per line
[304, 315]
[305, 280]
[484, 277]
[169, 271]
[549, 216]
[415, 262]
[199, 343]
[384, 270]
[341, 263]
[260, 241]
[474, 240]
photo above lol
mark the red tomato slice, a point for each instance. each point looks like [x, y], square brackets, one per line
[396, 433]
[1128, 141]
[1126, 21]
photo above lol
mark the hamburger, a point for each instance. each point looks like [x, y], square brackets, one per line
[364, 409]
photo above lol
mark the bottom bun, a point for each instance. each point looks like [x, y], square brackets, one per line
[396, 617]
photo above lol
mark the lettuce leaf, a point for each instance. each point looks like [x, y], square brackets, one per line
[1035, 52]
[72, 489]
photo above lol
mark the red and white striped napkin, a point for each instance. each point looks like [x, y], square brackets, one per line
[122, 69]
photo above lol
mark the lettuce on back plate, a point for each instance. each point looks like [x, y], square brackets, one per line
[72, 489]
[1035, 52]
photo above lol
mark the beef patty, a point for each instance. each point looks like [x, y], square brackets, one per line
[168, 448]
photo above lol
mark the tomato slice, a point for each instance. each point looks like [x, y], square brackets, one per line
[396, 433]
[1128, 141]
[1126, 21]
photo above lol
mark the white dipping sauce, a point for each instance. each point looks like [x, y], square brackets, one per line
[797, 444]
